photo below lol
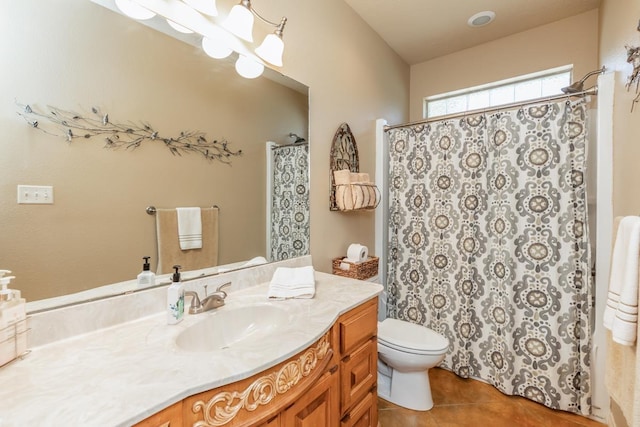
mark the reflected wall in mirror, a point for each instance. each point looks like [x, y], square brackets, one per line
[77, 54]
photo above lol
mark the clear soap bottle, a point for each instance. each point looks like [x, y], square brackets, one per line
[146, 278]
[175, 298]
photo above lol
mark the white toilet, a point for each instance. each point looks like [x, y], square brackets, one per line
[406, 352]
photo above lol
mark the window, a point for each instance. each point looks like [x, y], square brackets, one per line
[523, 88]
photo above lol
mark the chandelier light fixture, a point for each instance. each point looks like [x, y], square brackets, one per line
[240, 23]
[217, 44]
[218, 41]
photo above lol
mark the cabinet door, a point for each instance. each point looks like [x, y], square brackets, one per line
[319, 406]
[169, 417]
[359, 373]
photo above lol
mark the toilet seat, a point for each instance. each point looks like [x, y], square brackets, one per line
[410, 338]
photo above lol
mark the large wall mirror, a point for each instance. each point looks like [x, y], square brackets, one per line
[76, 55]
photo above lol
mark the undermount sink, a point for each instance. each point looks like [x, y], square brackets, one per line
[228, 326]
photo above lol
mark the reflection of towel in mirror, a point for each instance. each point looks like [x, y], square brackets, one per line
[189, 228]
[292, 283]
[169, 251]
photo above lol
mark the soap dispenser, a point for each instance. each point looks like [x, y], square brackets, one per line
[146, 278]
[13, 333]
[175, 298]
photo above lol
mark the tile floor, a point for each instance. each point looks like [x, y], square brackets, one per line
[462, 402]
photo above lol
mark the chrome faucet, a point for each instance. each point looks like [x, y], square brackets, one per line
[210, 302]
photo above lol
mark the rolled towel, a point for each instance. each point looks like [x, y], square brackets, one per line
[189, 228]
[342, 177]
[344, 197]
[292, 283]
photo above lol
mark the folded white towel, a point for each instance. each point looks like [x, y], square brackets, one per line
[292, 283]
[621, 310]
[189, 228]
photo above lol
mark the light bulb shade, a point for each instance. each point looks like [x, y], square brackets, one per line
[179, 28]
[248, 68]
[215, 48]
[240, 22]
[271, 50]
[134, 10]
[208, 7]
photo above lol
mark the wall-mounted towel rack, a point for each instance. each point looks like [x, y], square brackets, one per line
[151, 210]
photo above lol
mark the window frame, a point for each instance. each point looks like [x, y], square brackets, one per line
[506, 84]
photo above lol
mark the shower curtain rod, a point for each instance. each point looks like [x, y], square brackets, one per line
[275, 147]
[590, 91]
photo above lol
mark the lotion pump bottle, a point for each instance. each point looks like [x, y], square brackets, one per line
[175, 298]
[146, 278]
[13, 334]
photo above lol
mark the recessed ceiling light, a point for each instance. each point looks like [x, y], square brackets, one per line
[481, 19]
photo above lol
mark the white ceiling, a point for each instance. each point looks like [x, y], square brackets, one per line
[419, 30]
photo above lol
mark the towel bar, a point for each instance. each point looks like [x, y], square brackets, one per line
[151, 210]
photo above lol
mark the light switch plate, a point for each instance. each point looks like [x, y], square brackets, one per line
[35, 194]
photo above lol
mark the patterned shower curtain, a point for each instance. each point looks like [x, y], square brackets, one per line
[290, 202]
[488, 245]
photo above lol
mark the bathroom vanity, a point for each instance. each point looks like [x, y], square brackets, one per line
[331, 383]
[315, 367]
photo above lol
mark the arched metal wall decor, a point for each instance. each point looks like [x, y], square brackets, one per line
[350, 190]
[344, 155]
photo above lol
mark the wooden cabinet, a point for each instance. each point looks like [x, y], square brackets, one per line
[258, 399]
[330, 384]
[317, 407]
[359, 366]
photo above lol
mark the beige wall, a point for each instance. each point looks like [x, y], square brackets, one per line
[74, 54]
[618, 22]
[569, 41]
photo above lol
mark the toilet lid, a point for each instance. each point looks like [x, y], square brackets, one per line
[410, 336]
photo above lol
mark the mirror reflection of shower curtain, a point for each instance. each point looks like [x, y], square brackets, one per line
[288, 201]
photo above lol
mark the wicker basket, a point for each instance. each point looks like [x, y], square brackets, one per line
[357, 270]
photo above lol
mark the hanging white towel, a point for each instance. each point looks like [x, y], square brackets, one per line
[292, 283]
[621, 310]
[189, 228]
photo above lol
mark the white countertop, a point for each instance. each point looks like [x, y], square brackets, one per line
[123, 374]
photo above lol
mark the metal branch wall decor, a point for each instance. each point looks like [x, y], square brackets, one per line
[71, 126]
[633, 58]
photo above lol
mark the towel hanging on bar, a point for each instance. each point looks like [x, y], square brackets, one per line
[169, 251]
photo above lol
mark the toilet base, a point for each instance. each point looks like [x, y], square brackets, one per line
[411, 390]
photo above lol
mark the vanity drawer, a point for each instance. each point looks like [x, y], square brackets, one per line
[360, 325]
[364, 414]
[358, 374]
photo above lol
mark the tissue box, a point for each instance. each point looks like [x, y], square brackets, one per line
[357, 270]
